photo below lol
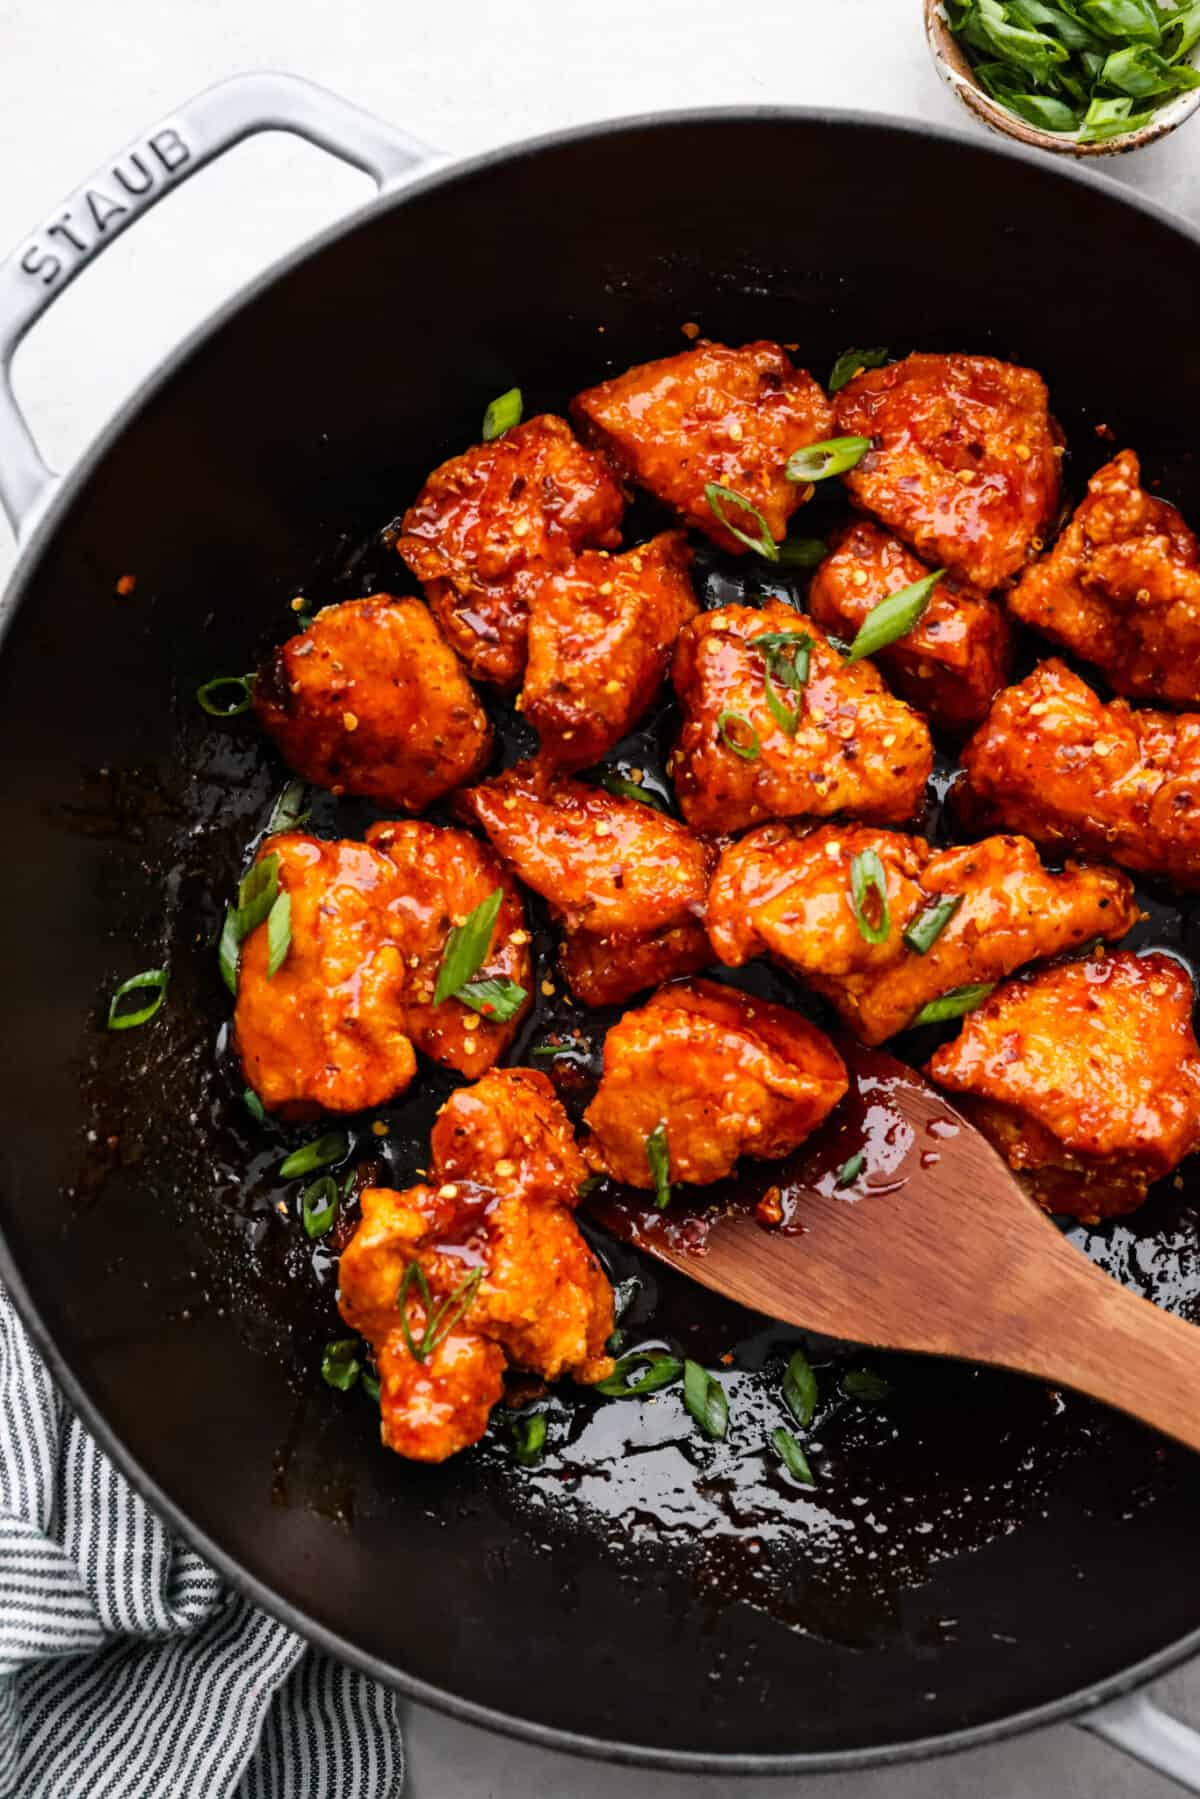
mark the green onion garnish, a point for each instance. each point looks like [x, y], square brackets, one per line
[633, 790]
[953, 1004]
[853, 362]
[242, 686]
[258, 891]
[786, 657]
[802, 552]
[151, 980]
[800, 1389]
[658, 1156]
[279, 933]
[749, 747]
[850, 1169]
[870, 1388]
[792, 1456]
[834, 456]
[289, 812]
[705, 1399]
[370, 1385]
[503, 413]
[439, 1320]
[661, 1370]
[340, 1366]
[925, 930]
[497, 999]
[894, 617]
[529, 1437]
[467, 947]
[254, 1105]
[867, 877]
[318, 1205]
[718, 497]
[320, 1153]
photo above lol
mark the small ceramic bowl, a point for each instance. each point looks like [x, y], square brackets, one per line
[957, 73]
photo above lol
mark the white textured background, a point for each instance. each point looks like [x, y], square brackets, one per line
[77, 80]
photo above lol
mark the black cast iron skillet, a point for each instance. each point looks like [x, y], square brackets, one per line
[980, 1554]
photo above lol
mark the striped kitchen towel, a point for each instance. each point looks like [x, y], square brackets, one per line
[127, 1670]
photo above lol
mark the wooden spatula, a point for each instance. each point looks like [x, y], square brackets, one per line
[933, 1246]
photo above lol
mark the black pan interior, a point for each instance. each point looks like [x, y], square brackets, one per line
[977, 1546]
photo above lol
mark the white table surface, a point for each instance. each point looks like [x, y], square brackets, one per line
[77, 80]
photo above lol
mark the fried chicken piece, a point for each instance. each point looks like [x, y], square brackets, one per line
[953, 662]
[1053, 761]
[334, 1028]
[1121, 588]
[371, 699]
[711, 414]
[727, 1075]
[605, 970]
[855, 748]
[788, 893]
[1086, 1077]
[600, 639]
[489, 525]
[508, 1277]
[610, 868]
[963, 464]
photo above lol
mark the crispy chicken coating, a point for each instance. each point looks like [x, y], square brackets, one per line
[335, 1027]
[1086, 1077]
[727, 1075]
[600, 639]
[1121, 588]
[1053, 761]
[854, 747]
[951, 665]
[508, 1278]
[615, 871]
[963, 464]
[371, 699]
[711, 414]
[489, 525]
[789, 893]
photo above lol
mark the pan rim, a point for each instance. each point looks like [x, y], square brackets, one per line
[51, 517]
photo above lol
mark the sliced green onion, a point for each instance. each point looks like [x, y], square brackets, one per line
[320, 1153]
[340, 1366]
[439, 1320]
[633, 790]
[792, 1456]
[786, 657]
[925, 930]
[318, 1205]
[288, 812]
[229, 950]
[894, 617]
[529, 1437]
[750, 747]
[869, 1388]
[467, 947]
[866, 877]
[257, 891]
[497, 999]
[660, 1370]
[151, 980]
[658, 1156]
[954, 1004]
[718, 497]
[853, 362]
[370, 1385]
[850, 1169]
[705, 1399]
[279, 933]
[254, 1105]
[503, 413]
[800, 1388]
[242, 686]
[833, 456]
[802, 552]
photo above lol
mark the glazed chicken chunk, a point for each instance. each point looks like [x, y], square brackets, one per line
[955, 659]
[1121, 588]
[790, 894]
[483, 1266]
[711, 415]
[336, 1026]
[626, 883]
[1086, 1077]
[489, 525]
[1055, 762]
[757, 742]
[371, 699]
[600, 640]
[964, 464]
[724, 1074]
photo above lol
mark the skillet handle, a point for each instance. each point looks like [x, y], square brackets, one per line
[32, 278]
[1152, 1736]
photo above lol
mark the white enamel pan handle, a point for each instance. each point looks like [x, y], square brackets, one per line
[146, 170]
[32, 278]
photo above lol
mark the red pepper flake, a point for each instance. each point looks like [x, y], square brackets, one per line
[126, 585]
